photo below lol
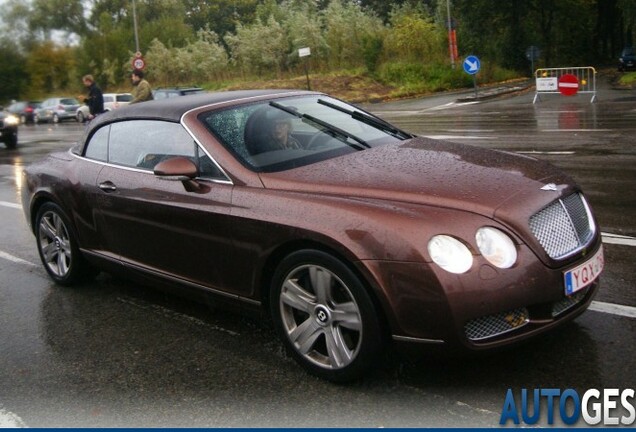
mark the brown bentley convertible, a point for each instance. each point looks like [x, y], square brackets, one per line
[351, 233]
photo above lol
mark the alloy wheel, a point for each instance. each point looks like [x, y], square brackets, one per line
[320, 317]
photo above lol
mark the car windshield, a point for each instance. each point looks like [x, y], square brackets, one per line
[287, 133]
[69, 101]
[124, 98]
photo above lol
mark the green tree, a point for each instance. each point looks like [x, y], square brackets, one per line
[220, 16]
[13, 78]
[346, 26]
[259, 47]
[51, 68]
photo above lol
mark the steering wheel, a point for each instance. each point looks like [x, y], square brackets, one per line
[318, 140]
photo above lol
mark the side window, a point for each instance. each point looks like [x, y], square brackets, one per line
[97, 147]
[145, 143]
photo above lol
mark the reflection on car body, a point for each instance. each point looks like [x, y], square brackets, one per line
[360, 237]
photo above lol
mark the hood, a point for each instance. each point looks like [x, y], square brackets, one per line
[430, 172]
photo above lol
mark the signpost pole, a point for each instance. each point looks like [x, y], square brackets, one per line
[305, 52]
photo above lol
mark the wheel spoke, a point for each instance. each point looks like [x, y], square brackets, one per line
[347, 315]
[49, 251]
[62, 263]
[321, 283]
[339, 353]
[296, 297]
[304, 336]
[47, 228]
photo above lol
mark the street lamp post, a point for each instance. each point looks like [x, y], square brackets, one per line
[450, 35]
[135, 26]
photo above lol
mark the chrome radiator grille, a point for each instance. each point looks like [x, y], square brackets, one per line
[564, 226]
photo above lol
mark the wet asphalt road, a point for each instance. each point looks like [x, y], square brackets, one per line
[115, 353]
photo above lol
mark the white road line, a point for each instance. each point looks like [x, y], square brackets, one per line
[545, 152]
[452, 137]
[614, 309]
[609, 308]
[15, 259]
[618, 239]
[10, 420]
[577, 130]
[10, 204]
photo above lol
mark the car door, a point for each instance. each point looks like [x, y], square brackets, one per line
[157, 224]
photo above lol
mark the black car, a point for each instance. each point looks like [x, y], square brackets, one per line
[170, 92]
[25, 110]
[627, 60]
[8, 128]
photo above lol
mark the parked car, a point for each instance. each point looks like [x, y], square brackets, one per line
[627, 60]
[56, 110]
[349, 232]
[8, 128]
[111, 101]
[24, 110]
[170, 92]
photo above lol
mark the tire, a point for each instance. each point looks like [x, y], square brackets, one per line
[58, 248]
[36, 119]
[325, 316]
[56, 119]
[23, 119]
[80, 117]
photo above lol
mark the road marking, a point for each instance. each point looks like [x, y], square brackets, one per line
[470, 130]
[454, 137]
[577, 130]
[545, 152]
[613, 309]
[10, 420]
[10, 204]
[618, 239]
[15, 259]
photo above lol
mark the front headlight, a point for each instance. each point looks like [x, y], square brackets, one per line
[11, 120]
[450, 254]
[496, 247]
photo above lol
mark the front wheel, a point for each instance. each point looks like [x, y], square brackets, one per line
[325, 316]
[58, 248]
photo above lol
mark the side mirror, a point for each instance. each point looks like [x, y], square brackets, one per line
[177, 168]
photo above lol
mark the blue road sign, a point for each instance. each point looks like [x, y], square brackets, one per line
[471, 65]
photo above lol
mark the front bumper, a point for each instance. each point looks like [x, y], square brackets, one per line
[482, 309]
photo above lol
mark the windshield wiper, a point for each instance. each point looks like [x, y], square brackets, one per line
[371, 121]
[325, 127]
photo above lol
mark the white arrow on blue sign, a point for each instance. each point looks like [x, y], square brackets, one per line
[471, 65]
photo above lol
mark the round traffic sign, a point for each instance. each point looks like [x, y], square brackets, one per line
[138, 63]
[471, 65]
[568, 85]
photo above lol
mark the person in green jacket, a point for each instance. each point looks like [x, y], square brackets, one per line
[141, 91]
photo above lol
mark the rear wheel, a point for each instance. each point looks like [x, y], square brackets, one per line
[325, 316]
[58, 248]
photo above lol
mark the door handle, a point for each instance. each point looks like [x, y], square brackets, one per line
[107, 186]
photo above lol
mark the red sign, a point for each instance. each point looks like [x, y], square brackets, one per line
[568, 85]
[138, 63]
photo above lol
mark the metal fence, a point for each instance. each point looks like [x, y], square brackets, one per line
[552, 81]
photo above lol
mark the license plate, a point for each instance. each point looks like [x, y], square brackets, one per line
[581, 276]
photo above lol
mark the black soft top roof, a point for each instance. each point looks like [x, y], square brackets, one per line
[172, 109]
